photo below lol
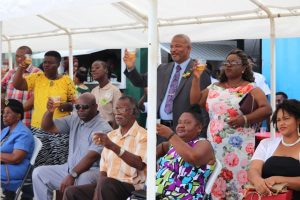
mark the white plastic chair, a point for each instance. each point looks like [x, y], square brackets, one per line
[37, 147]
[214, 175]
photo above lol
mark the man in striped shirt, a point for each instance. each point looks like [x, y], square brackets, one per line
[26, 97]
[123, 160]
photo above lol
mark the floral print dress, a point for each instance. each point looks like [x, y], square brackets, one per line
[233, 147]
[178, 179]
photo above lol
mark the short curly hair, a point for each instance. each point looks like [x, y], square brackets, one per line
[247, 75]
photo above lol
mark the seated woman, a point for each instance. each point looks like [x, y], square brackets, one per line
[17, 145]
[186, 160]
[276, 160]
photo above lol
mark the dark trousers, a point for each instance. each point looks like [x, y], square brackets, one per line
[105, 189]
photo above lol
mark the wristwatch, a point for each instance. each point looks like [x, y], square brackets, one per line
[73, 174]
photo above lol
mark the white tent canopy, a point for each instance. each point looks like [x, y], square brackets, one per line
[46, 25]
[82, 24]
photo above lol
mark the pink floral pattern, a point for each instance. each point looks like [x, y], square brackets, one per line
[219, 188]
[216, 126]
[231, 159]
[233, 147]
[242, 177]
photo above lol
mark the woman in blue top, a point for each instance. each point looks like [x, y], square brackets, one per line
[17, 144]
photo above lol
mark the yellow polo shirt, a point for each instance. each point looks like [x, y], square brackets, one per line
[43, 88]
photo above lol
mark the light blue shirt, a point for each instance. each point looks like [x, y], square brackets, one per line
[80, 141]
[20, 138]
[162, 113]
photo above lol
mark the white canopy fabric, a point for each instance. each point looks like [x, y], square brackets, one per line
[93, 24]
[44, 25]
[65, 53]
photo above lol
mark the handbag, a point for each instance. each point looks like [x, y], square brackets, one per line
[248, 104]
[279, 192]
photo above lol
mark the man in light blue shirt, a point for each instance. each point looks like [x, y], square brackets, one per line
[82, 166]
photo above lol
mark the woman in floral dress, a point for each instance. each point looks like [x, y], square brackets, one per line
[228, 131]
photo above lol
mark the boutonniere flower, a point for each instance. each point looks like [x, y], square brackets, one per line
[187, 74]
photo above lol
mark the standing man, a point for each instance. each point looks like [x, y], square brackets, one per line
[172, 88]
[123, 160]
[25, 97]
[82, 166]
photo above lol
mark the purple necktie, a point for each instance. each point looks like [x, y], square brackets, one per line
[172, 90]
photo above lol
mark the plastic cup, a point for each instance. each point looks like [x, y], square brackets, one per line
[201, 63]
[28, 59]
[56, 100]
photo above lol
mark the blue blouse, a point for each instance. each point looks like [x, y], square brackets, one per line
[21, 138]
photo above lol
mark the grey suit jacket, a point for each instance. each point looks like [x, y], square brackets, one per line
[181, 101]
[182, 96]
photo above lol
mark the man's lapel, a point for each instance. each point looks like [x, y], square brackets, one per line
[183, 79]
[166, 78]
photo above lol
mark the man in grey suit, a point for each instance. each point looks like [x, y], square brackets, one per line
[173, 86]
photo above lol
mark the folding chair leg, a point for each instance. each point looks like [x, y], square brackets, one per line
[21, 186]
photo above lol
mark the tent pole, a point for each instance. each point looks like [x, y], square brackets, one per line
[273, 71]
[70, 55]
[272, 57]
[152, 82]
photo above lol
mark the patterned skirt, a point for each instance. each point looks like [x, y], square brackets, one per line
[55, 148]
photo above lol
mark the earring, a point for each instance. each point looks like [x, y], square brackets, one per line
[242, 72]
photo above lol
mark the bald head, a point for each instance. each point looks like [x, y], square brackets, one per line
[86, 107]
[87, 98]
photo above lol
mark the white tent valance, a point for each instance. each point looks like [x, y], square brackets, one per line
[45, 25]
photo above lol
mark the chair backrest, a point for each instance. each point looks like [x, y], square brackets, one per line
[214, 175]
[37, 147]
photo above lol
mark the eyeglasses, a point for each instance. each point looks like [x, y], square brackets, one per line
[121, 110]
[82, 106]
[232, 63]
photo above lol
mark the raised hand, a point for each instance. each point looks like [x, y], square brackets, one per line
[51, 105]
[102, 139]
[163, 130]
[129, 59]
[198, 69]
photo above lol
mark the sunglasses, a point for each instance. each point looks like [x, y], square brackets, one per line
[82, 106]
